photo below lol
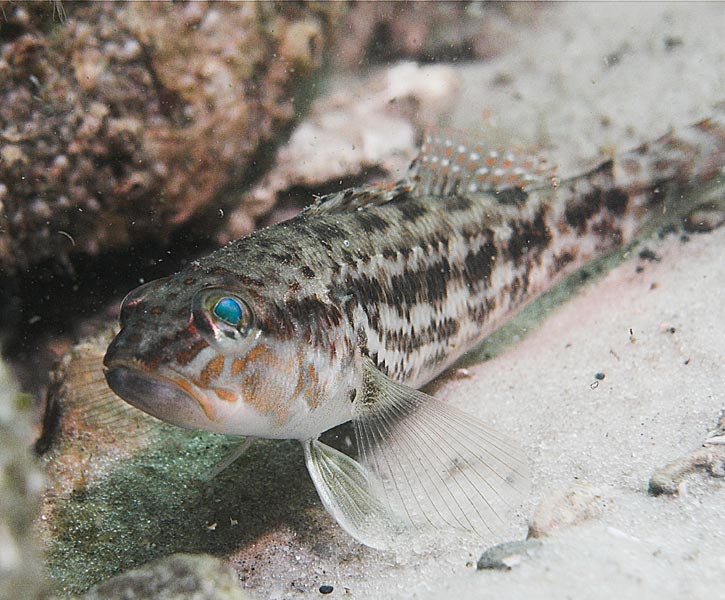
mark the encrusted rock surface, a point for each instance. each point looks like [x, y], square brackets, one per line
[126, 119]
[177, 577]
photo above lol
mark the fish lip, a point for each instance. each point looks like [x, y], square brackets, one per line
[158, 395]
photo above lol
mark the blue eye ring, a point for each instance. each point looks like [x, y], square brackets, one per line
[231, 311]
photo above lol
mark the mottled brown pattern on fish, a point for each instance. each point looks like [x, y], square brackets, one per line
[312, 395]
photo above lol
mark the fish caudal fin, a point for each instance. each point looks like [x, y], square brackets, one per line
[350, 495]
[423, 466]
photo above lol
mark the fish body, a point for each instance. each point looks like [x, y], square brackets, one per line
[342, 312]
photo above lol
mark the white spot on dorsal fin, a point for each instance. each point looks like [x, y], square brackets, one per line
[447, 165]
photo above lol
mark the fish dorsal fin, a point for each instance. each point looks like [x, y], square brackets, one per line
[423, 465]
[445, 165]
[358, 198]
[448, 164]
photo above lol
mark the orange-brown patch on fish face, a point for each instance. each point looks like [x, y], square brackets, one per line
[225, 394]
[201, 399]
[266, 381]
[261, 354]
[312, 391]
[238, 365]
[211, 371]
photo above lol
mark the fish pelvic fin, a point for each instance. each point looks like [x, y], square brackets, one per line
[436, 467]
[351, 495]
[230, 458]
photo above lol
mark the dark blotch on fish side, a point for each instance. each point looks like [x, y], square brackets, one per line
[436, 280]
[457, 203]
[578, 214]
[563, 259]
[307, 272]
[616, 200]
[528, 237]
[479, 264]
[370, 222]
[411, 211]
[390, 253]
[513, 195]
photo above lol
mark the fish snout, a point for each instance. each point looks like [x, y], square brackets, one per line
[158, 396]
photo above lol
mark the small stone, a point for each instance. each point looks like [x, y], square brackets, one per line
[506, 556]
[326, 589]
[647, 254]
[565, 508]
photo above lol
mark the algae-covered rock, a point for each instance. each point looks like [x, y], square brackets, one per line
[21, 483]
[177, 577]
[124, 120]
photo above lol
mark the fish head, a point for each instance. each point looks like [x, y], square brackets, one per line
[201, 353]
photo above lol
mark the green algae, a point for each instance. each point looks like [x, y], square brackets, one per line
[158, 503]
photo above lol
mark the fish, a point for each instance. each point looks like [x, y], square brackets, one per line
[342, 313]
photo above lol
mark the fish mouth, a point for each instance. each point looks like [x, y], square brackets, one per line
[172, 400]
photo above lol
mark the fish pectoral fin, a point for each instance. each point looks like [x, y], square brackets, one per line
[439, 467]
[351, 495]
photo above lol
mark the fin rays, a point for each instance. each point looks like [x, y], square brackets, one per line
[423, 466]
[438, 467]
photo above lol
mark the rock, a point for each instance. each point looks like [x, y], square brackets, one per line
[176, 577]
[568, 507]
[429, 31]
[360, 130]
[21, 483]
[508, 555]
[124, 121]
[709, 458]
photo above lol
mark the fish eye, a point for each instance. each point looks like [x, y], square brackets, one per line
[229, 310]
[222, 316]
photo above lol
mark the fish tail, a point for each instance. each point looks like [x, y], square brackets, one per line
[675, 163]
[612, 204]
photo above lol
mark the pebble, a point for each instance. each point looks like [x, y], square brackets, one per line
[508, 555]
[565, 508]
